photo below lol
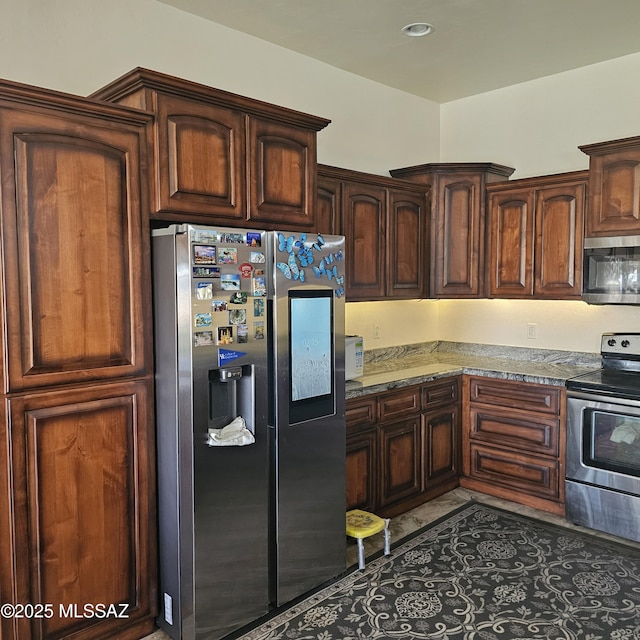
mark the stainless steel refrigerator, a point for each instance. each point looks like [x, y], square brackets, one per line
[249, 335]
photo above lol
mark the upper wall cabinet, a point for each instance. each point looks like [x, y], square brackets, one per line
[385, 225]
[535, 236]
[457, 223]
[75, 256]
[614, 188]
[222, 158]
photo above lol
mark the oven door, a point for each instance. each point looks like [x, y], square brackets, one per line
[603, 441]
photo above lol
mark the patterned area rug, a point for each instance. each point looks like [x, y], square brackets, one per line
[479, 574]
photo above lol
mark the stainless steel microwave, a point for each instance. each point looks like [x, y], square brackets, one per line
[611, 270]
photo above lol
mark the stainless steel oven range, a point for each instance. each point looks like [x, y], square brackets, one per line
[603, 441]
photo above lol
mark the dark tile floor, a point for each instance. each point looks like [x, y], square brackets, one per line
[416, 518]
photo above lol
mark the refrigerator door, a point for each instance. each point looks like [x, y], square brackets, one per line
[211, 373]
[308, 521]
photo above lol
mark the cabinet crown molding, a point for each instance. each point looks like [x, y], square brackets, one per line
[141, 78]
[416, 171]
[26, 95]
[352, 175]
[540, 181]
[599, 148]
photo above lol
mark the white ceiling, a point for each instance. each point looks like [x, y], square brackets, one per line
[477, 45]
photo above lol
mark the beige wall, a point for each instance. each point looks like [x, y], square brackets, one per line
[401, 322]
[537, 127]
[79, 45]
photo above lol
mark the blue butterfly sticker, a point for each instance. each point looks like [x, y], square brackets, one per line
[305, 259]
[293, 265]
[285, 269]
[332, 273]
[285, 244]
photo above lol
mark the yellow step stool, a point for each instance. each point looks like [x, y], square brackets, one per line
[361, 525]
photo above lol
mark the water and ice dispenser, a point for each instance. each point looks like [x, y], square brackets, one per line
[231, 406]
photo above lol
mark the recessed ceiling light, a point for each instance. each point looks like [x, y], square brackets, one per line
[416, 29]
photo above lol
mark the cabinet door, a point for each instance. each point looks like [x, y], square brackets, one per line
[364, 226]
[282, 183]
[614, 193]
[407, 273]
[510, 258]
[81, 519]
[76, 253]
[400, 460]
[362, 466]
[558, 252]
[458, 229]
[441, 446]
[328, 203]
[200, 160]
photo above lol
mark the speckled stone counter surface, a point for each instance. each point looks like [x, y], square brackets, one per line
[413, 364]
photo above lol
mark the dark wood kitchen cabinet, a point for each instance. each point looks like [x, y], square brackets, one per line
[221, 158]
[362, 477]
[614, 188]
[513, 441]
[457, 223]
[399, 427]
[362, 453]
[535, 230]
[385, 225]
[441, 437]
[403, 446]
[399, 461]
[77, 471]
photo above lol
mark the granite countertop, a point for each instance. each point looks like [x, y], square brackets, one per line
[414, 364]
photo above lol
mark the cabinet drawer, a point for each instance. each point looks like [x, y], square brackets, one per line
[399, 404]
[518, 472]
[361, 412]
[439, 394]
[528, 432]
[516, 395]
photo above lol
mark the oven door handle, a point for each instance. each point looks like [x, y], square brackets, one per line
[608, 398]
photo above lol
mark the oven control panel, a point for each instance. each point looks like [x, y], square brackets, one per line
[620, 344]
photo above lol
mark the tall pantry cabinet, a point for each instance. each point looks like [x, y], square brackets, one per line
[76, 424]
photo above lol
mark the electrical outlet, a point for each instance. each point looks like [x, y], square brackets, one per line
[532, 330]
[377, 331]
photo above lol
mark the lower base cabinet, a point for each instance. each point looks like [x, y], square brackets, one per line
[77, 546]
[403, 446]
[362, 476]
[400, 449]
[513, 441]
[441, 445]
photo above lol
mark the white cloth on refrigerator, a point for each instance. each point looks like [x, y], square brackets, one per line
[235, 434]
